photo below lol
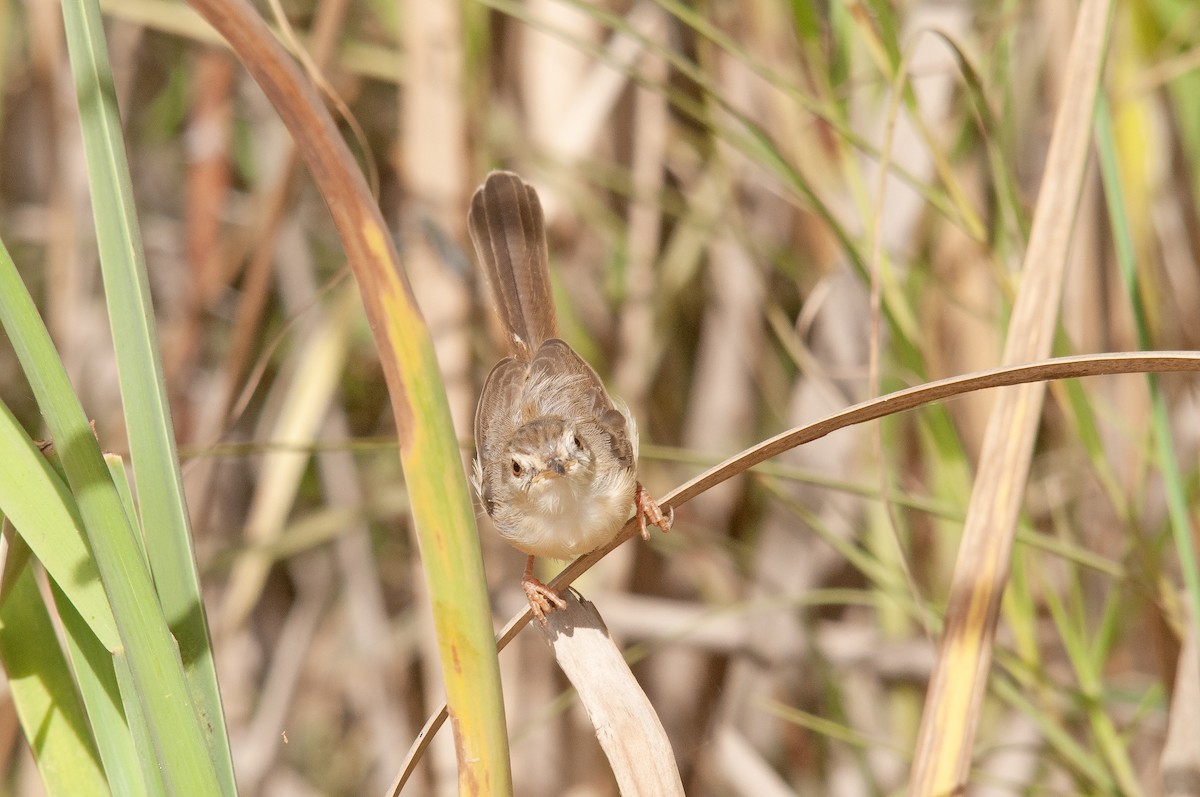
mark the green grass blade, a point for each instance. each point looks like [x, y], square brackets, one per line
[138, 727]
[1177, 502]
[97, 682]
[116, 469]
[1058, 738]
[179, 746]
[1070, 625]
[90, 653]
[44, 513]
[162, 508]
[42, 689]
[96, 672]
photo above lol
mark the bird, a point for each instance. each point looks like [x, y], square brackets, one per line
[556, 454]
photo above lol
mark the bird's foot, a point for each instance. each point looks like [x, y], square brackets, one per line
[542, 599]
[649, 513]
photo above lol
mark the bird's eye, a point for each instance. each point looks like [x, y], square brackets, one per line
[516, 468]
[576, 441]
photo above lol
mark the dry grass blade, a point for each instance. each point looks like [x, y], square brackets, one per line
[955, 696]
[1046, 370]
[629, 731]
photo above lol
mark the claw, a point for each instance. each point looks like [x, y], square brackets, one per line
[542, 599]
[650, 514]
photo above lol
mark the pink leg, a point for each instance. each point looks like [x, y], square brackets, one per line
[542, 599]
[649, 513]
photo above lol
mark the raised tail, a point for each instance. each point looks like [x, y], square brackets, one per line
[508, 230]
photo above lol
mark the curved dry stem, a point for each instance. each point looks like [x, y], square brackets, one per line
[900, 401]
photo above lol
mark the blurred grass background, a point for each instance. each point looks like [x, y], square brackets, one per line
[711, 180]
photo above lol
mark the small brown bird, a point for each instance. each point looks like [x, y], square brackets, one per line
[556, 461]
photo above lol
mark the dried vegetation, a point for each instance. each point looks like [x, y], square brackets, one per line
[730, 258]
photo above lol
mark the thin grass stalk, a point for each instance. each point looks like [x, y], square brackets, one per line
[355, 56]
[1164, 450]
[1070, 625]
[1086, 767]
[274, 200]
[441, 504]
[314, 370]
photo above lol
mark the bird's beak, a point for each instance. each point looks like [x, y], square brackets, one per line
[554, 469]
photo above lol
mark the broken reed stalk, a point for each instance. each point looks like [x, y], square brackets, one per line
[629, 731]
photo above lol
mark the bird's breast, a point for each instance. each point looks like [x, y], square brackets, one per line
[561, 519]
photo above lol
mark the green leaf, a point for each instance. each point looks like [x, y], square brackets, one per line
[42, 689]
[43, 512]
[162, 508]
[101, 696]
[179, 746]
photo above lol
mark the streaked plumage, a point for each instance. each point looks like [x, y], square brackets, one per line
[556, 456]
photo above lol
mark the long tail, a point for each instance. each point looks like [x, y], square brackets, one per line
[509, 234]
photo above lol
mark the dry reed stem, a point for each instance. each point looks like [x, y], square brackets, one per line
[434, 157]
[1180, 762]
[303, 394]
[624, 720]
[744, 769]
[955, 696]
[273, 200]
[327, 27]
[721, 414]
[367, 670]
[210, 131]
[645, 218]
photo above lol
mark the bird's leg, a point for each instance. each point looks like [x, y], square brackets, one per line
[542, 599]
[649, 513]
